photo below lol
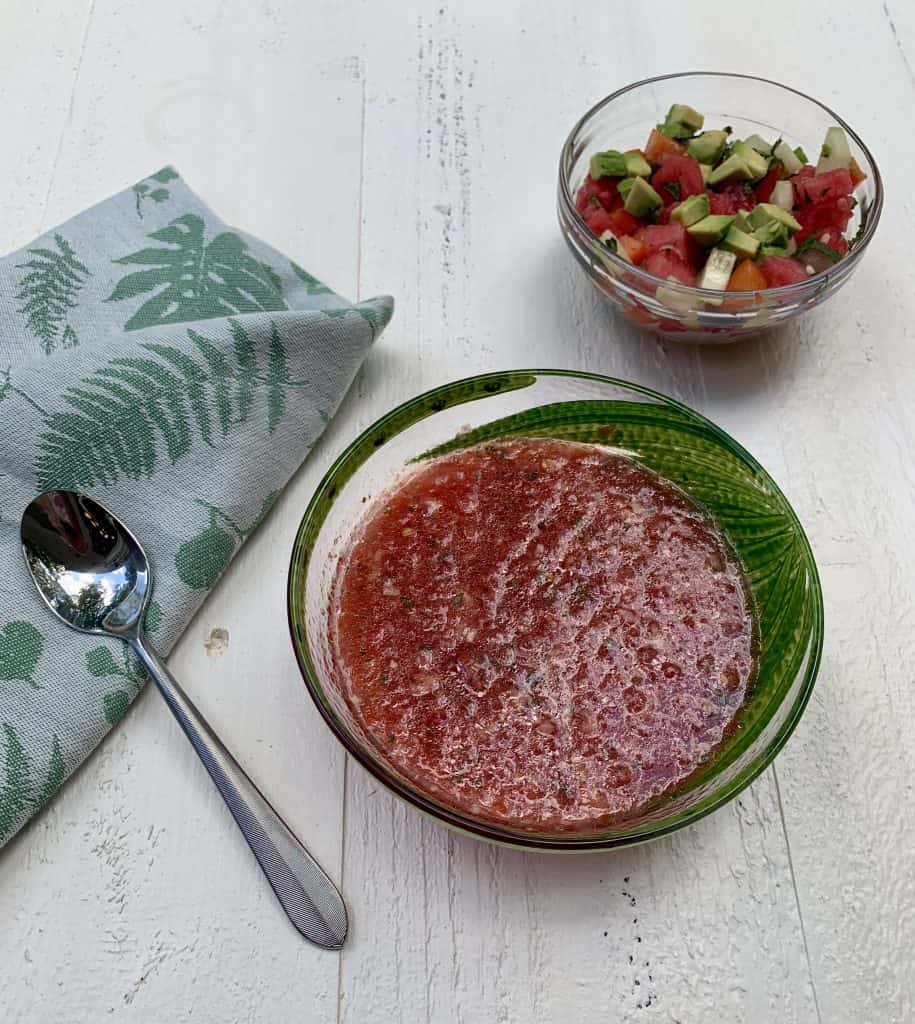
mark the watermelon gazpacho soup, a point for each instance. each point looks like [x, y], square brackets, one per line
[701, 208]
[541, 633]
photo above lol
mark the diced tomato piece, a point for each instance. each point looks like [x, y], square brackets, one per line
[635, 247]
[599, 220]
[823, 188]
[764, 189]
[624, 223]
[683, 173]
[731, 198]
[670, 237]
[857, 175]
[660, 146]
[782, 270]
[747, 277]
[603, 190]
[667, 264]
[816, 216]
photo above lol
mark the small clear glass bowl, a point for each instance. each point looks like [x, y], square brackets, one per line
[623, 121]
[668, 437]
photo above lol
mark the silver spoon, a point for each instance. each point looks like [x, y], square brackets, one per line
[93, 574]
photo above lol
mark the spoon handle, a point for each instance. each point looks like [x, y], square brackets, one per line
[308, 896]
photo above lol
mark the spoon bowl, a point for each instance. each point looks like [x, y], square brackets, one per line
[89, 569]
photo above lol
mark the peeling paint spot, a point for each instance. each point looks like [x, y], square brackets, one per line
[217, 642]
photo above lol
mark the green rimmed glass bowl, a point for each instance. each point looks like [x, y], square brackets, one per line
[667, 437]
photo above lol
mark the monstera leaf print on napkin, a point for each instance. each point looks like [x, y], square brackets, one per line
[190, 278]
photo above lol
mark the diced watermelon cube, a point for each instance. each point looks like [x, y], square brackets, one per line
[782, 270]
[666, 264]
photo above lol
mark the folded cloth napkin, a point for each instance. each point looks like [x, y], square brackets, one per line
[179, 371]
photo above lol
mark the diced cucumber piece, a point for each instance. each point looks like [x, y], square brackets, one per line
[788, 158]
[612, 243]
[641, 198]
[708, 147]
[835, 152]
[758, 164]
[710, 230]
[782, 195]
[739, 243]
[732, 169]
[692, 209]
[717, 270]
[759, 144]
[683, 114]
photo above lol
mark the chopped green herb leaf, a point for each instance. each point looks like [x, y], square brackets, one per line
[818, 246]
[457, 600]
[673, 187]
[825, 151]
[800, 154]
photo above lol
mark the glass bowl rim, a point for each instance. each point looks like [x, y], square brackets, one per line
[300, 559]
[787, 291]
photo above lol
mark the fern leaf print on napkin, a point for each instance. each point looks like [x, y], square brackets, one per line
[192, 279]
[120, 418]
[48, 291]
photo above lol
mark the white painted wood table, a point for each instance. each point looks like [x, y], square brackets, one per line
[412, 148]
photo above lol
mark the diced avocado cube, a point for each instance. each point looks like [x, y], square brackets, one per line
[706, 170]
[739, 242]
[774, 250]
[759, 144]
[641, 198]
[757, 163]
[608, 164]
[742, 222]
[637, 166]
[675, 130]
[708, 147]
[765, 212]
[717, 270]
[772, 233]
[733, 169]
[625, 186]
[691, 210]
[788, 158]
[835, 153]
[685, 115]
[710, 230]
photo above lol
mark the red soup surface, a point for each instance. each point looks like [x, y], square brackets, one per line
[541, 633]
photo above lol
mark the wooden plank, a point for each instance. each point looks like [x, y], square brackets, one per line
[40, 56]
[135, 895]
